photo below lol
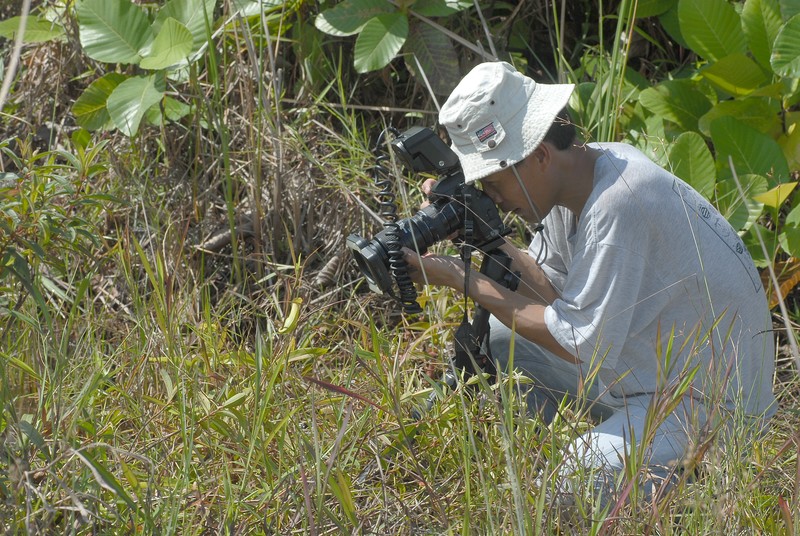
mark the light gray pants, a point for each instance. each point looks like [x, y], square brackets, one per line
[604, 450]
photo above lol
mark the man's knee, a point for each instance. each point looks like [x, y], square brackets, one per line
[500, 341]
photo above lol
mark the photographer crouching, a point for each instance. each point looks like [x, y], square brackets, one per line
[633, 287]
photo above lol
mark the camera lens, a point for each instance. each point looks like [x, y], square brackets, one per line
[428, 226]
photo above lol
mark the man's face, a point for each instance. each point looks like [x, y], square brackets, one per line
[507, 193]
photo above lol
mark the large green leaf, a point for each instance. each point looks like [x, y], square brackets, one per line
[691, 160]
[436, 56]
[679, 101]
[113, 31]
[761, 113]
[128, 103]
[785, 58]
[651, 8]
[712, 28]
[36, 30]
[350, 16]
[193, 14]
[790, 8]
[254, 8]
[440, 8]
[90, 109]
[172, 45]
[789, 239]
[736, 75]
[741, 212]
[379, 41]
[762, 21]
[752, 151]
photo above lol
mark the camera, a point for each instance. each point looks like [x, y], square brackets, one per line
[455, 208]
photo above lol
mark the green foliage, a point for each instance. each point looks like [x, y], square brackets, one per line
[131, 99]
[350, 16]
[119, 31]
[732, 107]
[692, 159]
[172, 44]
[90, 108]
[37, 30]
[113, 32]
[735, 100]
[711, 28]
[379, 40]
[680, 101]
[603, 79]
[785, 59]
[42, 224]
[384, 30]
[163, 41]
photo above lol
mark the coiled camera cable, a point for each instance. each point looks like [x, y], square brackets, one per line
[407, 294]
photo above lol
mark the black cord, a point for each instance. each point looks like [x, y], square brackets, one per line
[407, 294]
[542, 247]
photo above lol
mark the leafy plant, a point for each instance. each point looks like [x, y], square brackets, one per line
[121, 32]
[40, 224]
[162, 42]
[385, 28]
[734, 107]
[38, 29]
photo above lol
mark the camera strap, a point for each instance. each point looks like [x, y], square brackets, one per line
[466, 346]
[466, 251]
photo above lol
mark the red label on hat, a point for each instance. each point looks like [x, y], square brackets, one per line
[486, 132]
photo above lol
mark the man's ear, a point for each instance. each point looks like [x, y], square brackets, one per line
[541, 154]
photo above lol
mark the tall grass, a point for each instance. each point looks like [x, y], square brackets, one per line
[159, 387]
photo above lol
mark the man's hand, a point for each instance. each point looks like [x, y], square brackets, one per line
[434, 269]
[513, 309]
[427, 186]
[426, 189]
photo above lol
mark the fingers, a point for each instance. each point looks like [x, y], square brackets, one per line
[410, 256]
[413, 261]
[427, 186]
[426, 189]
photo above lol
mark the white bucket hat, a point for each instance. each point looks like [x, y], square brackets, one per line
[496, 117]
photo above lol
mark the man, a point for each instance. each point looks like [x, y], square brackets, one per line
[636, 295]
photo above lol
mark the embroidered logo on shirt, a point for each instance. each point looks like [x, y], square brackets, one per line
[486, 132]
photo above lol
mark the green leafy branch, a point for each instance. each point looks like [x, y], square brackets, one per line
[384, 29]
[739, 99]
[161, 42]
[121, 32]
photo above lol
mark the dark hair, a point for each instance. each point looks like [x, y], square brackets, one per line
[562, 132]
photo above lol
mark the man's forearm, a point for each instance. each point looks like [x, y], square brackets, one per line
[534, 284]
[518, 312]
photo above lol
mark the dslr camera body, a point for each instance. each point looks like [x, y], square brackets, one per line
[455, 208]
